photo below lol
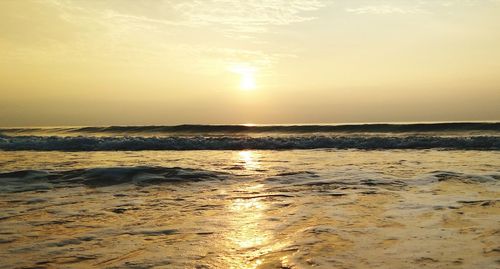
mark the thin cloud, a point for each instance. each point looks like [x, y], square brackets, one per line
[414, 7]
[122, 25]
[249, 16]
[385, 9]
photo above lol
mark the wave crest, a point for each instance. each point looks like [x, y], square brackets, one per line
[81, 143]
[108, 176]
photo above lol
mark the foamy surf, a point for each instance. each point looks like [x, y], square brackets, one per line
[457, 136]
[133, 143]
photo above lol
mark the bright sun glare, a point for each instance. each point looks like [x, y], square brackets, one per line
[247, 82]
[247, 78]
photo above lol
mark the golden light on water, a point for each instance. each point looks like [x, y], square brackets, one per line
[248, 237]
[249, 159]
[179, 74]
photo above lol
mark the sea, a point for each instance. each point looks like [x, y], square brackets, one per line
[375, 195]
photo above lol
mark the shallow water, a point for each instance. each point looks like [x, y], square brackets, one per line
[320, 208]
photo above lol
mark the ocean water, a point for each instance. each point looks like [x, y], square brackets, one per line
[304, 196]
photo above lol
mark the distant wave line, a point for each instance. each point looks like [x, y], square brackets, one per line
[231, 129]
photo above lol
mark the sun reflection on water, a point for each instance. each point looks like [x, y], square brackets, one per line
[248, 238]
[249, 159]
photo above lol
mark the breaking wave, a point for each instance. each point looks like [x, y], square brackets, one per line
[133, 143]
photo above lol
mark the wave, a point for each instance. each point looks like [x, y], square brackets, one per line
[234, 129]
[43, 180]
[108, 176]
[83, 143]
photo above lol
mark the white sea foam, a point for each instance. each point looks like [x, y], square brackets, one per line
[90, 143]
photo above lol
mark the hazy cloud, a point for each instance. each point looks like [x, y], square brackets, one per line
[411, 7]
[246, 16]
[250, 16]
[384, 9]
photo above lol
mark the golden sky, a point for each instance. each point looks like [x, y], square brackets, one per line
[250, 61]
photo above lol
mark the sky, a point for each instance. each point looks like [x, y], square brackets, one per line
[127, 62]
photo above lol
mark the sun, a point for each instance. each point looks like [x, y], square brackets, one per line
[247, 76]
[247, 82]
